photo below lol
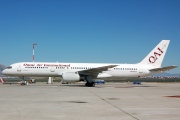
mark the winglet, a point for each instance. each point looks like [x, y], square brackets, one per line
[156, 56]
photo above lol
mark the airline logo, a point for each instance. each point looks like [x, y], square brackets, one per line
[46, 65]
[153, 58]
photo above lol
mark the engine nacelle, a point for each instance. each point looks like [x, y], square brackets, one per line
[71, 76]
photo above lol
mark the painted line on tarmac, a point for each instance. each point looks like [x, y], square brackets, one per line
[114, 105]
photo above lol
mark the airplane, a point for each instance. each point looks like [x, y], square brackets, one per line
[74, 72]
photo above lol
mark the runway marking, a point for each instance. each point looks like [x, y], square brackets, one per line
[114, 105]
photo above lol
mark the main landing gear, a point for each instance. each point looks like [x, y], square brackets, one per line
[90, 82]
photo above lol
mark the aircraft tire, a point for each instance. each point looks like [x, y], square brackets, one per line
[90, 84]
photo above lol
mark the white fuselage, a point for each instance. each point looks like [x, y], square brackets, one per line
[42, 69]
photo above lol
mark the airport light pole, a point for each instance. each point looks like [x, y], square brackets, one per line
[33, 51]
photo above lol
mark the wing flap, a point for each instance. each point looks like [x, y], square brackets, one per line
[162, 69]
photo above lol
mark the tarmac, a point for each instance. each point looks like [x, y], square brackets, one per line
[112, 101]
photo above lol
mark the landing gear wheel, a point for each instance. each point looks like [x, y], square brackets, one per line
[27, 83]
[90, 84]
[24, 83]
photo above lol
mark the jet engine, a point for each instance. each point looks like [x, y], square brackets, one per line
[71, 76]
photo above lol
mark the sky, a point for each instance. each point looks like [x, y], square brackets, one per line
[93, 31]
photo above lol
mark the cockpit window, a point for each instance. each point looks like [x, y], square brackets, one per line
[9, 67]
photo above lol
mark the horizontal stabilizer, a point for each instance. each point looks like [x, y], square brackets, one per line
[162, 69]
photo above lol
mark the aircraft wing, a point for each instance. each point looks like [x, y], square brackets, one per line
[95, 71]
[162, 69]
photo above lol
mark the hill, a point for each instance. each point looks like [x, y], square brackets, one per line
[167, 74]
[2, 67]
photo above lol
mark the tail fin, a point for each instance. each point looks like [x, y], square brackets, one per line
[156, 56]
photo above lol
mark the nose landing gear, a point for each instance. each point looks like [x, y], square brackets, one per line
[24, 82]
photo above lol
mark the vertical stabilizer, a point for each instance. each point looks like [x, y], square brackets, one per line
[156, 56]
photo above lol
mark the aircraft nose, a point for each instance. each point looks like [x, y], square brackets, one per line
[4, 72]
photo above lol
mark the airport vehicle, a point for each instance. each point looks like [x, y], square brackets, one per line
[99, 82]
[71, 72]
[137, 82]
